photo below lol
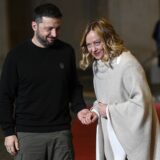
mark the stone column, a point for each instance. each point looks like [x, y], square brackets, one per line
[4, 37]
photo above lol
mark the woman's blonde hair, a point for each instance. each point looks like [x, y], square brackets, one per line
[113, 44]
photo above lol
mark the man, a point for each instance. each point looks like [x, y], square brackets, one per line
[38, 84]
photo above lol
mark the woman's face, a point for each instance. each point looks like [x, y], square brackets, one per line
[94, 45]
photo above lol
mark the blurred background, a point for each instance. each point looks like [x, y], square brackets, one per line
[133, 20]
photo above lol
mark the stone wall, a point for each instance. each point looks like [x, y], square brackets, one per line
[4, 37]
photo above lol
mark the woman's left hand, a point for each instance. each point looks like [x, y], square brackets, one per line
[102, 108]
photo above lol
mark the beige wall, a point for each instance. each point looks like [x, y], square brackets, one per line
[133, 20]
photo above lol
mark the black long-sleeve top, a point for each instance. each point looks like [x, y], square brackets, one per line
[37, 87]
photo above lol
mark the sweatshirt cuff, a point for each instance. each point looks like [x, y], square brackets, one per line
[94, 110]
[9, 132]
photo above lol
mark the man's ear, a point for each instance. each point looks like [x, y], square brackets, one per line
[34, 25]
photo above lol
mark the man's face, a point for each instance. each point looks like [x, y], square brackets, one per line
[47, 31]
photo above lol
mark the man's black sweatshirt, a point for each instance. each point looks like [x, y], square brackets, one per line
[37, 87]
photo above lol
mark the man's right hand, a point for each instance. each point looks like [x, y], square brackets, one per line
[91, 117]
[87, 117]
[11, 144]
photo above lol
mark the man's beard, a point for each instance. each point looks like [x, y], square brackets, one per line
[43, 41]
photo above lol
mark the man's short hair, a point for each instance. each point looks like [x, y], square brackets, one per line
[46, 10]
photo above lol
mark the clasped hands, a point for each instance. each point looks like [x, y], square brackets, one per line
[87, 116]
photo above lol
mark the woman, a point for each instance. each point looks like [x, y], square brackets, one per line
[128, 126]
